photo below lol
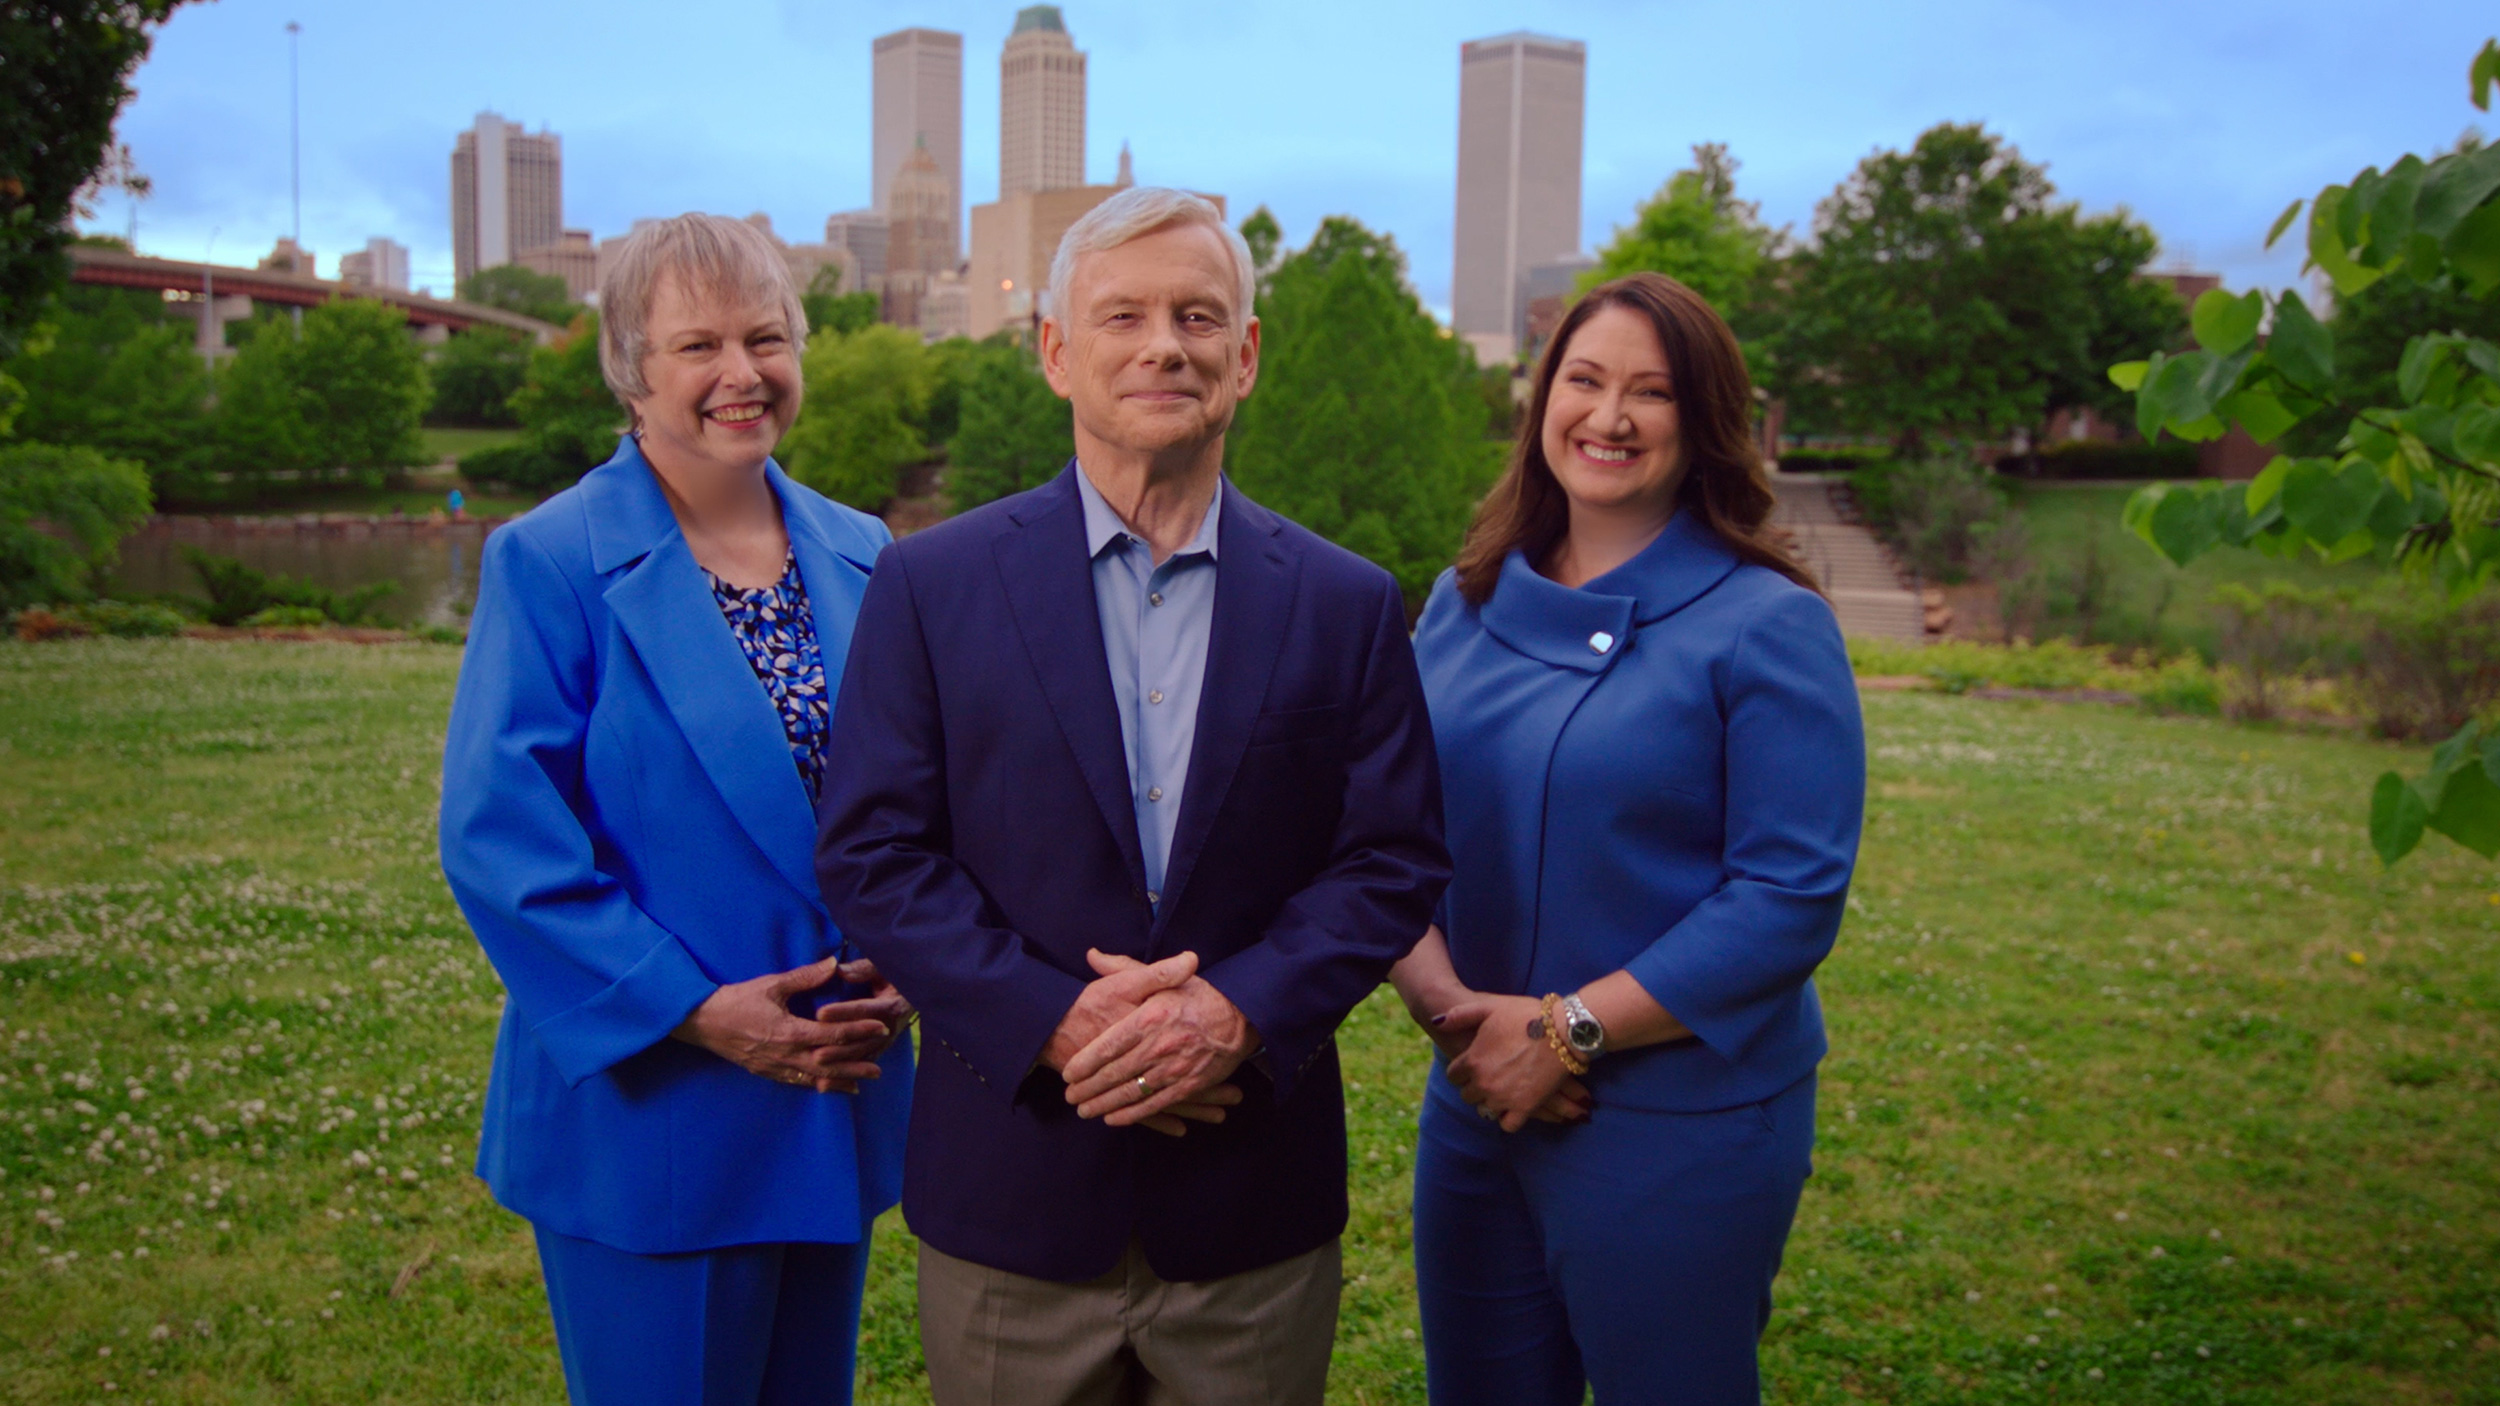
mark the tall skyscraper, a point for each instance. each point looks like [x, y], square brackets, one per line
[920, 241]
[1520, 100]
[919, 83]
[507, 194]
[1041, 106]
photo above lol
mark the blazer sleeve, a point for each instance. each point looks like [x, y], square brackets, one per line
[1796, 792]
[885, 855]
[595, 979]
[1333, 943]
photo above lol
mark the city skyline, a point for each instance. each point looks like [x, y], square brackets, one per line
[2203, 134]
[1522, 102]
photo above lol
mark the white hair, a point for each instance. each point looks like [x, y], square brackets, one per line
[1135, 213]
[715, 256]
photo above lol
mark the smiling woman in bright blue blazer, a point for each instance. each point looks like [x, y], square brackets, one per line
[625, 832]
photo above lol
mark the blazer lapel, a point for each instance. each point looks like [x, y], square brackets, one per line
[1254, 590]
[1049, 585]
[667, 613]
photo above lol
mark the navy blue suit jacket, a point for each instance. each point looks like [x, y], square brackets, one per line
[978, 836]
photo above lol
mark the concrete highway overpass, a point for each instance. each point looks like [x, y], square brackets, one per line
[234, 290]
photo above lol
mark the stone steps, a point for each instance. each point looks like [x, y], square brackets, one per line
[1866, 585]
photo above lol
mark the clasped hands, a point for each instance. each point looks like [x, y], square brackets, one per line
[1500, 1061]
[1150, 1044]
[749, 1023]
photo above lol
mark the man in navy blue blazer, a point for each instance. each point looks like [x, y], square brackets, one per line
[1135, 800]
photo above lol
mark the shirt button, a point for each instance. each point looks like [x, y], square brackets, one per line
[1154, 793]
[1600, 642]
[1153, 897]
[1155, 599]
[1154, 695]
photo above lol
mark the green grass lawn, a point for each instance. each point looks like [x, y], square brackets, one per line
[2075, 532]
[447, 442]
[2147, 1085]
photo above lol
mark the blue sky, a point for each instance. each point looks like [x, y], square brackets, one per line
[2203, 119]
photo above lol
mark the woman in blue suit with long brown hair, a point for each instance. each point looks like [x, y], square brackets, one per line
[697, 1102]
[1652, 775]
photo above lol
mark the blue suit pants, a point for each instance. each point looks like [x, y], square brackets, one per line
[751, 1325]
[1633, 1254]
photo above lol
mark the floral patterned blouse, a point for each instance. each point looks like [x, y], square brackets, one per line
[777, 633]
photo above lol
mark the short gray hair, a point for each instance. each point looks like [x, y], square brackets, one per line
[1133, 214]
[713, 254]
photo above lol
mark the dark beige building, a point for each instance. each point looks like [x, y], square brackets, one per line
[1041, 106]
[382, 263]
[920, 239]
[919, 106]
[1520, 104]
[572, 258]
[1013, 243]
[507, 194]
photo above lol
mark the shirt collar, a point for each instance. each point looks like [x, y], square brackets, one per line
[1103, 524]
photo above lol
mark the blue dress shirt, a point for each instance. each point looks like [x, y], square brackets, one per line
[1155, 623]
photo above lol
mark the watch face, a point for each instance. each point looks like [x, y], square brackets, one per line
[1586, 1033]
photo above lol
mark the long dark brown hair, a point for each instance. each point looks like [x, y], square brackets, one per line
[1725, 482]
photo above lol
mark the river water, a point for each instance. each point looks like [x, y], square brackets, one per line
[435, 564]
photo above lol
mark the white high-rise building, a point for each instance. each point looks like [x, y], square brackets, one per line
[507, 194]
[919, 81]
[1041, 106]
[1520, 103]
[382, 263]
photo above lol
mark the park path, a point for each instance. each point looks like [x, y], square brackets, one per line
[1866, 586]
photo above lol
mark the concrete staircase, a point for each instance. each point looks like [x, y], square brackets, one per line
[1865, 584]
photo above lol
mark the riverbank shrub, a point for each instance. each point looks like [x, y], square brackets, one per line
[130, 620]
[1943, 514]
[64, 511]
[237, 593]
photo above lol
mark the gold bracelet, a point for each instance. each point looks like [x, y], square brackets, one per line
[1553, 1038]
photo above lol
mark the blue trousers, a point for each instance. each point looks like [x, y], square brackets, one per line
[753, 1325]
[1633, 1254]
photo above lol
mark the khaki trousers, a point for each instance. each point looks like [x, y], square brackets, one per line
[1129, 1338]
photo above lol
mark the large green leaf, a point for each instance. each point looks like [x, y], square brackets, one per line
[2224, 324]
[2301, 349]
[2391, 214]
[2283, 221]
[2469, 811]
[2152, 400]
[2268, 484]
[2329, 246]
[2129, 375]
[2485, 70]
[2473, 248]
[2329, 505]
[2264, 417]
[2137, 515]
[2397, 816]
[2478, 434]
[2420, 360]
[2186, 524]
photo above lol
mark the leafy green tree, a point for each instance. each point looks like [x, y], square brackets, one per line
[839, 314]
[1695, 231]
[1264, 236]
[1944, 294]
[88, 502]
[526, 291]
[1366, 425]
[104, 367]
[867, 398]
[475, 375]
[342, 397]
[65, 70]
[2414, 476]
[364, 387]
[569, 418]
[1014, 433]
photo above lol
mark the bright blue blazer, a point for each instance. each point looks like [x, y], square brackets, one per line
[625, 831]
[978, 836]
[1661, 772]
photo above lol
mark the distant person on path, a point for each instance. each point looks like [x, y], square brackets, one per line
[1654, 773]
[459, 506]
[1136, 801]
[698, 1100]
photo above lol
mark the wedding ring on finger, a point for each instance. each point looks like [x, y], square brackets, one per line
[1145, 1090]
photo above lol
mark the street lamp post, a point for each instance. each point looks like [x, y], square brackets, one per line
[208, 303]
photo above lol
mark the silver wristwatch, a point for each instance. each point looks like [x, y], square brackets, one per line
[1582, 1031]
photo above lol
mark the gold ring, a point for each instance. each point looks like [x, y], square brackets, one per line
[1145, 1090]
